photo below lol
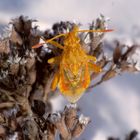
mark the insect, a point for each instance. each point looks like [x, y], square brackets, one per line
[75, 66]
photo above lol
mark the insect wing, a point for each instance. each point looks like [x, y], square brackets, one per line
[73, 93]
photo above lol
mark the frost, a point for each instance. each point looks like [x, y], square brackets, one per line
[14, 137]
[14, 60]
[3, 74]
[84, 120]
[74, 105]
[23, 61]
[55, 117]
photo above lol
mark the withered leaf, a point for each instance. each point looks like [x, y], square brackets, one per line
[4, 46]
[2, 131]
[130, 51]
[108, 75]
[116, 55]
[39, 107]
[15, 37]
[70, 117]
[128, 68]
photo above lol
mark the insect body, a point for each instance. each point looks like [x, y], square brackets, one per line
[75, 66]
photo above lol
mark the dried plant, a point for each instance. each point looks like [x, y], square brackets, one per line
[133, 135]
[26, 77]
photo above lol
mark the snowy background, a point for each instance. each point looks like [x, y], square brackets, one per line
[114, 106]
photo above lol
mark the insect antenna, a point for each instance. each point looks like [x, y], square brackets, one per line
[99, 30]
[56, 44]
[48, 41]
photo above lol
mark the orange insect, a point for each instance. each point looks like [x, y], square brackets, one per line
[75, 66]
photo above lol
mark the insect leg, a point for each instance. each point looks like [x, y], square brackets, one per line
[54, 60]
[94, 67]
[91, 58]
[54, 43]
[55, 81]
[86, 80]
